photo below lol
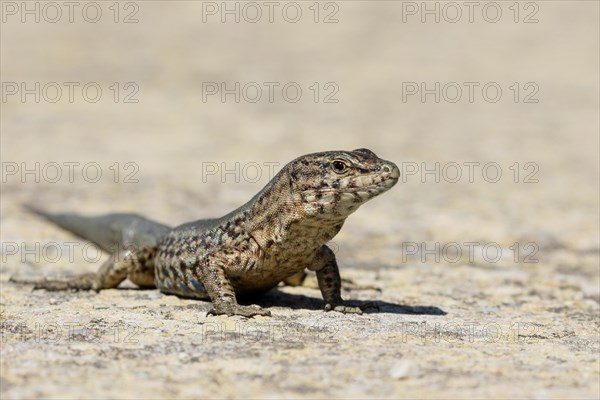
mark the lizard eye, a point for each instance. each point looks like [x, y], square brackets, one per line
[339, 166]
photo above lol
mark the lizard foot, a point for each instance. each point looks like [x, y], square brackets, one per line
[343, 309]
[80, 282]
[236, 309]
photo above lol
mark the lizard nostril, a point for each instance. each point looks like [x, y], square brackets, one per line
[386, 169]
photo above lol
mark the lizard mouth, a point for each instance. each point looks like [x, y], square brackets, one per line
[379, 187]
[377, 183]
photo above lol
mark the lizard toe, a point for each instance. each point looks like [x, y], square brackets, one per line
[343, 309]
[236, 309]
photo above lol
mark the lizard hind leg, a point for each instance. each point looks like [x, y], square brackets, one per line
[110, 274]
[141, 267]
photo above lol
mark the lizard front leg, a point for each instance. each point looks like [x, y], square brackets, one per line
[330, 283]
[222, 294]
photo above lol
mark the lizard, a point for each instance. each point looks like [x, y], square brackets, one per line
[273, 238]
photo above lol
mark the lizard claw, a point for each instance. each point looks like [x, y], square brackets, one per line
[236, 309]
[343, 309]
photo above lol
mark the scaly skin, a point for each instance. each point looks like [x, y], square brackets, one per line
[274, 237]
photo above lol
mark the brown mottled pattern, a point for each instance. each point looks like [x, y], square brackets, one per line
[279, 233]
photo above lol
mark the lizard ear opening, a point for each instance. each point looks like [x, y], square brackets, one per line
[292, 177]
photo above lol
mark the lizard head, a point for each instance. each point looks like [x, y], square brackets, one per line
[338, 182]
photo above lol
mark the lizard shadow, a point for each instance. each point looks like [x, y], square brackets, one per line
[277, 298]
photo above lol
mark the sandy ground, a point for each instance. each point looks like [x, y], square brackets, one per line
[514, 315]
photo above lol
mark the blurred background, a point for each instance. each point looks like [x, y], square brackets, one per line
[169, 92]
[161, 64]
[158, 94]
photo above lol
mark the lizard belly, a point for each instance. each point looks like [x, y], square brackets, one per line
[183, 286]
[174, 275]
[267, 274]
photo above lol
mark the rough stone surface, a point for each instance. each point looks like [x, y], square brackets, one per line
[437, 324]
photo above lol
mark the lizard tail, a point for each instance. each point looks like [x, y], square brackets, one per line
[110, 232]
